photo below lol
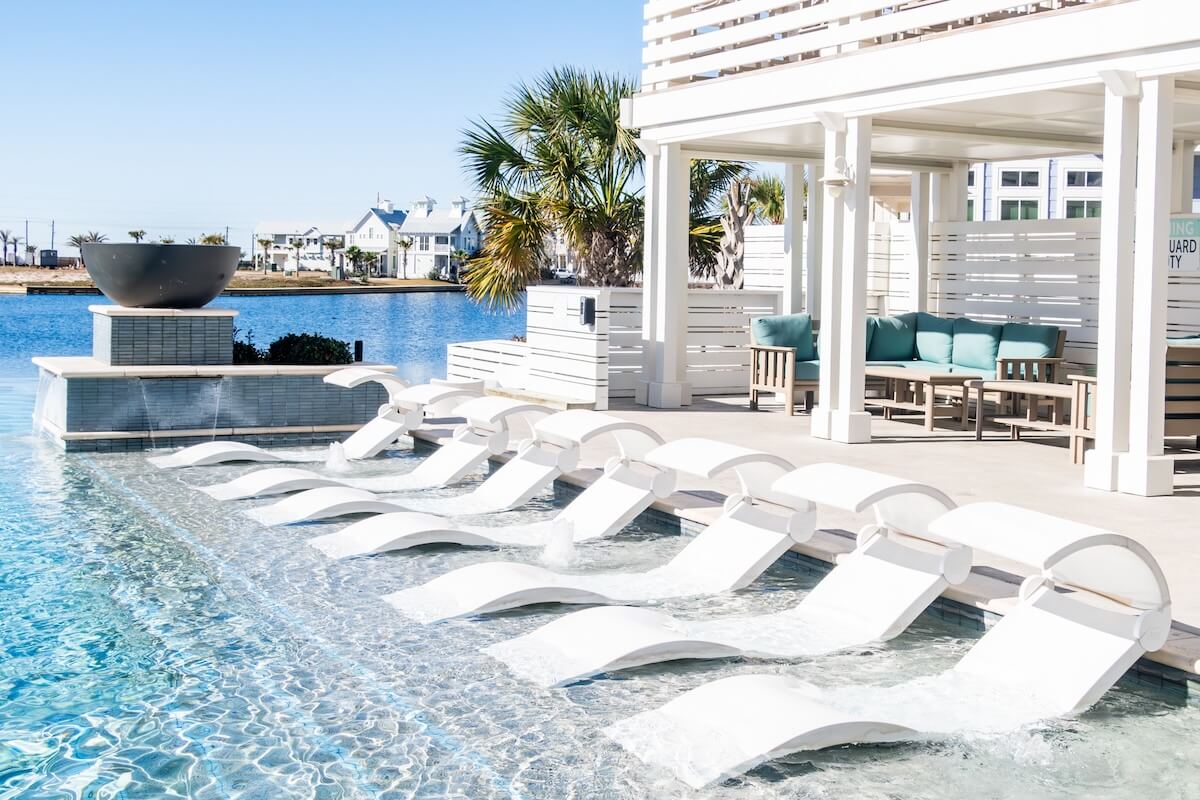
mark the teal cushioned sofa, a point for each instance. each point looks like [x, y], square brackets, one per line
[917, 340]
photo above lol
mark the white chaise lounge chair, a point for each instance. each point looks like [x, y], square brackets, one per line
[553, 451]
[487, 432]
[874, 593]
[757, 526]
[402, 412]
[1099, 603]
[627, 488]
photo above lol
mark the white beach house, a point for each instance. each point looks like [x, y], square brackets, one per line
[435, 235]
[375, 232]
[282, 253]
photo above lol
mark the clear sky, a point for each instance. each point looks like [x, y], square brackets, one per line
[187, 117]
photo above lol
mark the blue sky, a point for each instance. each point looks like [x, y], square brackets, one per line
[182, 118]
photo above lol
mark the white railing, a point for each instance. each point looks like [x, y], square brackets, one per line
[687, 40]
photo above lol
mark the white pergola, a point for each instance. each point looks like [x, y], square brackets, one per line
[1119, 79]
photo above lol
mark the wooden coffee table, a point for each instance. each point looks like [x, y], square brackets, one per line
[911, 389]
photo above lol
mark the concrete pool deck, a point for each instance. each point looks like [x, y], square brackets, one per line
[1035, 473]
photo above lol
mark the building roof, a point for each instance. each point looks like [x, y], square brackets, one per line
[389, 218]
[437, 222]
[295, 228]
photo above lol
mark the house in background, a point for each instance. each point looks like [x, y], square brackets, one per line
[281, 253]
[435, 236]
[376, 232]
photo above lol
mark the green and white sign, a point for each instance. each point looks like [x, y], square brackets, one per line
[1184, 251]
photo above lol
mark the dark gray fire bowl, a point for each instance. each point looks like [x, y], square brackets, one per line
[160, 275]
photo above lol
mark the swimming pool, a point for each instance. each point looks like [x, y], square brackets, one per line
[160, 644]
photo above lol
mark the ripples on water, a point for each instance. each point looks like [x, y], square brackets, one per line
[158, 643]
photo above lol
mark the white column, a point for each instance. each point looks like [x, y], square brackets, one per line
[840, 416]
[919, 224]
[666, 386]
[957, 192]
[1115, 312]
[1144, 470]
[1182, 176]
[793, 239]
[650, 279]
[830, 236]
[814, 226]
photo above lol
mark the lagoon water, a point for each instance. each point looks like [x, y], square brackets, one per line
[157, 643]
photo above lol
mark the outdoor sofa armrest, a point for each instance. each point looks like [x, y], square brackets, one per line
[1024, 369]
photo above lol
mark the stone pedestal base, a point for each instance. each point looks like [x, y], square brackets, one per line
[136, 337]
[850, 427]
[1147, 476]
[663, 395]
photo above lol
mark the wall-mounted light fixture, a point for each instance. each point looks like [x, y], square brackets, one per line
[841, 177]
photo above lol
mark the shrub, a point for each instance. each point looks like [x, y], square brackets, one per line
[435, 274]
[308, 348]
[245, 352]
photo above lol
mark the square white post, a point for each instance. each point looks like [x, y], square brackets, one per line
[840, 416]
[1183, 176]
[814, 226]
[793, 239]
[666, 386]
[650, 279]
[919, 225]
[1115, 312]
[1144, 470]
[830, 235]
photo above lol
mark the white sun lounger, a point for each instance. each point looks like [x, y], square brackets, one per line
[1099, 603]
[401, 413]
[873, 594]
[756, 527]
[553, 451]
[486, 433]
[628, 486]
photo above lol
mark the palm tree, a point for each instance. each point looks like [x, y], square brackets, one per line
[16, 241]
[405, 243]
[5, 236]
[457, 259]
[29, 252]
[167, 240]
[297, 245]
[333, 244]
[80, 239]
[559, 160]
[265, 244]
[767, 199]
[211, 238]
[137, 235]
[355, 256]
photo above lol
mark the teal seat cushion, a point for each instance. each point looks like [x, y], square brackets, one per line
[894, 338]
[808, 370]
[935, 338]
[976, 344]
[1020, 340]
[787, 330]
[975, 372]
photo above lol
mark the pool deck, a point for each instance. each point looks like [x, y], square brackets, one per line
[1035, 473]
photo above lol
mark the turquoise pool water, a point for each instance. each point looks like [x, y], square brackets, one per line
[157, 643]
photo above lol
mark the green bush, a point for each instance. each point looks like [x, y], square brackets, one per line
[308, 348]
[294, 348]
[245, 352]
[435, 274]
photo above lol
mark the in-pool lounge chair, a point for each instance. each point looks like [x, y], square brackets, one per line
[628, 486]
[873, 594]
[553, 451]
[487, 432]
[404, 411]
[757, 526]
[1098, 604]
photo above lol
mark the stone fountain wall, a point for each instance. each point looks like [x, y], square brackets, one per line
[163, 378]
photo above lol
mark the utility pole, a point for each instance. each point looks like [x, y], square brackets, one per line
[226, 234]
[26, 238]
[51, 234]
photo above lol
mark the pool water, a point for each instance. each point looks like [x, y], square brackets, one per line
[158, 643]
